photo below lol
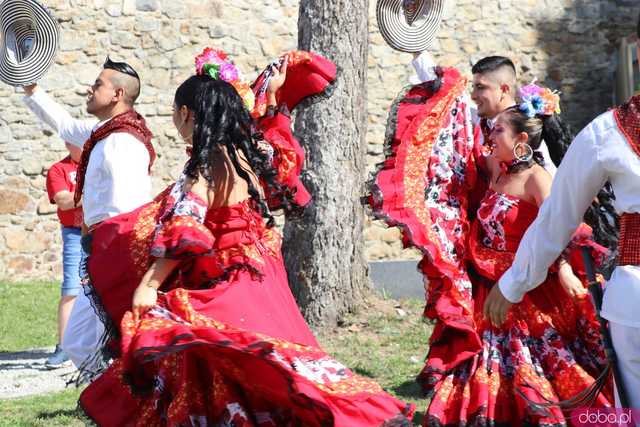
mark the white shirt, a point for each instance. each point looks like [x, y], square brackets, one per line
[425, 68]
[599, 153]
[117, 178]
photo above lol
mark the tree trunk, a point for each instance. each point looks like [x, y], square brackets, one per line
[324, 248]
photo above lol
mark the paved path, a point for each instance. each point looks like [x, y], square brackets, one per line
[397, 279]
[24, 374]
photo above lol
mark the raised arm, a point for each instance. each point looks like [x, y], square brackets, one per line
[424, 65]
[53, 114]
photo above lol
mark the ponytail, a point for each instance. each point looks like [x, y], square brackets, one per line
[601, 216]
[557, 135]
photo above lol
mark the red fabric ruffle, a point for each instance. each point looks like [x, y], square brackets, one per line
[181, 237]
[226, 341]
[182, 233]
[120, 257]
[288, 159]
[419, 117]
[308, 75]
[397, 192]
[218, 372]
[430, 185]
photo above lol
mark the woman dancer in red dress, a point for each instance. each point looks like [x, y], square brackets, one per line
[549, 349]
[210, 333]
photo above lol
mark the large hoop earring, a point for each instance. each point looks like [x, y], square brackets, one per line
[526, 157]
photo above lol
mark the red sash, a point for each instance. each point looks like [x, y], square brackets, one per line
[629, 241]
[129, 122]
[628, 119]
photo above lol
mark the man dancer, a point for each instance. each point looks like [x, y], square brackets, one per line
[607, 149]
[113, 172]
[494, 90]
[494, 86]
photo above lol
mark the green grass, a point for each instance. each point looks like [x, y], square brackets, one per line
[28, 314]
[58, 409]
[386, 340]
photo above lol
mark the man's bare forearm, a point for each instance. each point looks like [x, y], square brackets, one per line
[64, 200]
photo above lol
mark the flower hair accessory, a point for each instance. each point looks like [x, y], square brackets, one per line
[536, 100]
[215, 63]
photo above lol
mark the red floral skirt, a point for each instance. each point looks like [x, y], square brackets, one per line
[549, 349]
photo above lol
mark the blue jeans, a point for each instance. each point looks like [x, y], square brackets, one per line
[71, 259]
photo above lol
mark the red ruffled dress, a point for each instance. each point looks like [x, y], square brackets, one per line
[226, 344]
[550, 347]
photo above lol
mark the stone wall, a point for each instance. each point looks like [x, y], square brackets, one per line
[568, 44]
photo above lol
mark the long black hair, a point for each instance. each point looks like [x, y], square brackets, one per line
[222, 120]
[601, 215]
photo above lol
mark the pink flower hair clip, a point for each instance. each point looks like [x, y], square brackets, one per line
[215, 64]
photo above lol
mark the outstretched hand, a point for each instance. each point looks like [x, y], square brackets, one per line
[279, 76]
[496, 306]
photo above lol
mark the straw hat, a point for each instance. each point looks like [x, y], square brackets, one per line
[409, 25]
[28, 41]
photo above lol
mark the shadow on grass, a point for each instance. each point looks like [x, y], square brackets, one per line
[71, 413]
[408, 389]
[20, 360]
[24, 355]
[418, 417]
[364, 372]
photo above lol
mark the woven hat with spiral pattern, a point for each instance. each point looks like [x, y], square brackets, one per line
[29, 39]
[409, 25]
